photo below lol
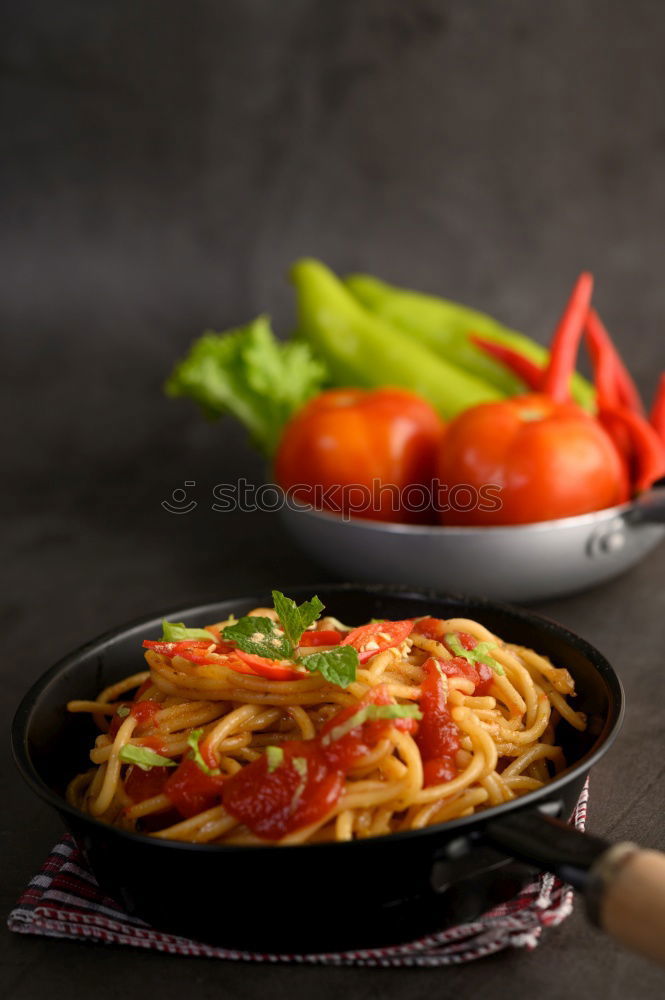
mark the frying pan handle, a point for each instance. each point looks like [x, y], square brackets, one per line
[650, 507]
[627, 893]
[623, 885]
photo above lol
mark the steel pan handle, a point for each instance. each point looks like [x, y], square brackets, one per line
[649, 507]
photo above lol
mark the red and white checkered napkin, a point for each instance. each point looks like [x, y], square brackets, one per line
[64, 901]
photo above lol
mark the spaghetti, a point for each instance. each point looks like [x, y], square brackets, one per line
[437, 719]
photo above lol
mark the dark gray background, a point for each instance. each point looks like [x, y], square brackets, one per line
[161, 165]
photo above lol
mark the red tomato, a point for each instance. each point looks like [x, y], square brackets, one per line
[376, 632]
[191, 790]
[354, 452]
[548, 460]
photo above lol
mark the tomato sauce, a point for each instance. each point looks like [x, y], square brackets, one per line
[308, 781]
[481, 675]
[141, 785]
[191, 790]
[438, 736]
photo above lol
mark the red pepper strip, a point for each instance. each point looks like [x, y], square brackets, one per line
[380, 636]
[611, 376]
[274, 670]
[196, 651]
[323, 637]
[646, 454]
[565, 343]
[529, 371]
[657, 415]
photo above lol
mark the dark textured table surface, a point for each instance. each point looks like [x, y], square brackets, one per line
[161, 165]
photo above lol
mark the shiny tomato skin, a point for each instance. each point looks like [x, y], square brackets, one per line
[191, 790]
[354, 437]
[546, 459]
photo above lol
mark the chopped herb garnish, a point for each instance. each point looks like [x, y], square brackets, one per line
[300, 764]
[274, 756]
[144, 757]
[122, 711]
[178, 631]
[479, 653]
[368, 714]
[193, 741]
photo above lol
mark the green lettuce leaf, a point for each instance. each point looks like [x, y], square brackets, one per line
[144, 757]
[250, 374]
[177, 631]
[193, 741]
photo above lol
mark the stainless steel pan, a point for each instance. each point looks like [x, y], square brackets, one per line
[517, 563]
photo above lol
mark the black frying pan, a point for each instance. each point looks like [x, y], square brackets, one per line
[326, 897]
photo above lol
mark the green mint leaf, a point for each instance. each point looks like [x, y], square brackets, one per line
[368, 714]
[178, 631]
[144, 757]
[260, 636]
[123, 711]
[275, 756]
[310, 611]
[193, 741]
[338, 665]
[293, 619]
[479, 653]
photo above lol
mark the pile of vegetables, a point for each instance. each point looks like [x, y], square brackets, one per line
[383, 385]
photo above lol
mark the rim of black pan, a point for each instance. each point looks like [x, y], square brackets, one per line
[602, 743]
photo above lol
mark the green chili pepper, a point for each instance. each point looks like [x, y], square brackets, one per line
[445, 327]
[362, 349]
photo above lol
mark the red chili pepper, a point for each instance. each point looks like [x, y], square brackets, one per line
[565, 343]
[657, 415]
[613, 381]
[529, 371]
[274, 670]
[198, 651]
[381, 636]
[644, 452]
[322, 637]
